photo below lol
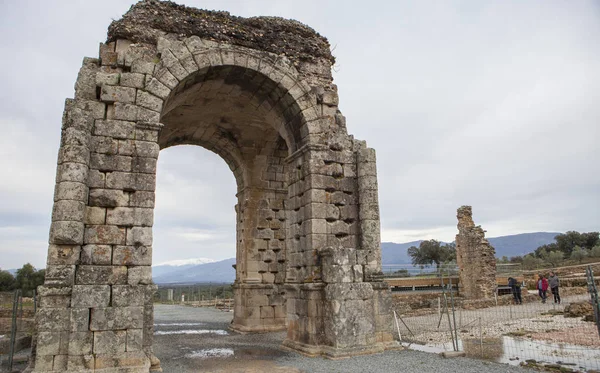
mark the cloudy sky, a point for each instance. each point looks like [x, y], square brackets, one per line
[495, 104]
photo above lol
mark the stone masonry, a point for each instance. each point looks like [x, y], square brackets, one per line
[259, 93]
[475, 257]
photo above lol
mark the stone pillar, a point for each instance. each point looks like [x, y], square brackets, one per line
[475, 257]
[335, 309]
[259, 302]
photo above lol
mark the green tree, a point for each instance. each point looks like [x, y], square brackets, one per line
[530, 261]
[7, 281]
[579, 254]
[568, 241]
[554, 258]
[430, 252]
[516, 259]
[595, 252]
[28, 279]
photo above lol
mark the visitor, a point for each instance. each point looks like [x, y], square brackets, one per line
[554, 284]
[542, 286]
[515, 287]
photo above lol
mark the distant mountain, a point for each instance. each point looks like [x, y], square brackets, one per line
[186, 271]
[395, 253]
[513, 245]
[521, 244]
[221, 272]
[178, 265]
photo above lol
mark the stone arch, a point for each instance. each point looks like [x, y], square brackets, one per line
[308, 255]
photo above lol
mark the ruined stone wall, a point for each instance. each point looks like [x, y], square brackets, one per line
[475, 257]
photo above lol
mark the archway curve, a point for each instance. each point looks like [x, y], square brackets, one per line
[272, 80]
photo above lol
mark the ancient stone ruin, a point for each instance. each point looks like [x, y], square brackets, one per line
[475, 257]
[259, 93]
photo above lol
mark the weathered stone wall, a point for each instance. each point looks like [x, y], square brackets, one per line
[475, 257]
[308, 255]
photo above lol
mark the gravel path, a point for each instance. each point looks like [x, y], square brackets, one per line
[208, 346]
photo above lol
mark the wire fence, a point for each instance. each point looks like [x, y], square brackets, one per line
[558, 331]
[16, 329]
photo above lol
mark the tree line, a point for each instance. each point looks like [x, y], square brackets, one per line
[570, 247]
[27, 278]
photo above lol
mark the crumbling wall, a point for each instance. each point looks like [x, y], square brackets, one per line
[475, 257]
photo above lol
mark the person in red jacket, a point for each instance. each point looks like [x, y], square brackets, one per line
[542, 286]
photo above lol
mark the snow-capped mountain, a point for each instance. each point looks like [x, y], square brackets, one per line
[183, 262]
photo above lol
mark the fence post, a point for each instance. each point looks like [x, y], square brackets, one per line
[13, 329]
[593, 290]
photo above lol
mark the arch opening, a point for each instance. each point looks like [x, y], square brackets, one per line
[245, 118]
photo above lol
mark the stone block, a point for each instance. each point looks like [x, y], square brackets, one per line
[369, 211]
[74, 154]
[109, 163]
[44, 362]
[127, 295]
[117, 129]
[116, 318]
[110, 342]
[52, 320]
[131, 181]
[60, 363]
[78, 363]
[80, 319]
[147, 133]
[69, 190]
[134, 340]
[130, 216]
[141, 275]
[142, 199]
[96, 179]
[81, 343]
[104, 78]
[267, 312]
[108, 198]
[117, 94]
[90, 275]
[96, 254]
[104, 234]
[149, 101]
[90, 296]
[95, 215]
[133, 80]
[59, 275]
[48, 343]
[132, 255]
[127, 112]
[144, 165]
[63, 254]
[155, 87]
[75, 136]
[139, 236]
[75, 172]
[55, 301]
[85, 86]
[68, 210]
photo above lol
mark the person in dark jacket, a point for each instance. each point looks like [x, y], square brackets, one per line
[554, 283]
[542, 287]
[515, 287]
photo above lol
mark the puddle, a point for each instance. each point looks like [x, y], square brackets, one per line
[211, 352]
[182, 324]
[509, 350]
[200, 331]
